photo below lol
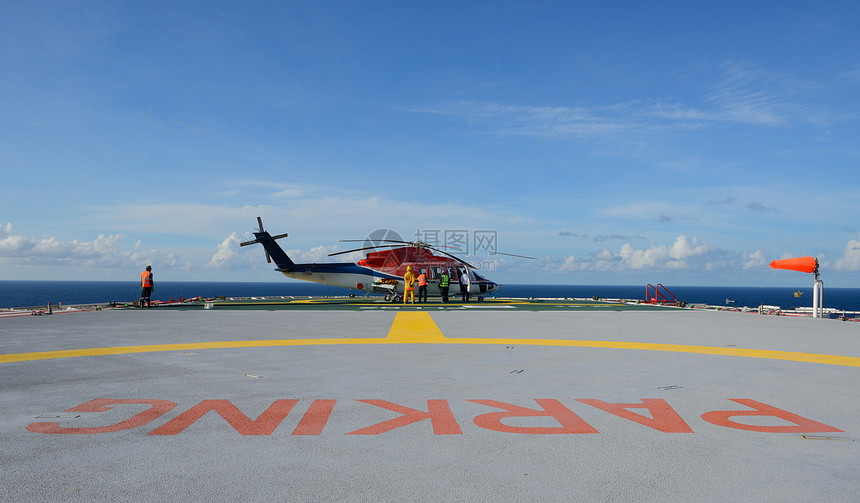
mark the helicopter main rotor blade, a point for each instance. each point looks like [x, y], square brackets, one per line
[416, 244]
[365, 240]
[512, 255]
[458, 259]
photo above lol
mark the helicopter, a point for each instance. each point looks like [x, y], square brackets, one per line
[381, 271]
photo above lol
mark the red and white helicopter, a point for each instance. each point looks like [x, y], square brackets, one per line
[380, 271]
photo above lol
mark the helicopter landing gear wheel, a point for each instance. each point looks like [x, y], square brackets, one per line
[388, 298]
[480, 299]
[397, 299]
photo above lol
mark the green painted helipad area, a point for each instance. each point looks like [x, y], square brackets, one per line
[370, 303]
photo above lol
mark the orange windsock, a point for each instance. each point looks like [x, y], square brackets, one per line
[802, 264]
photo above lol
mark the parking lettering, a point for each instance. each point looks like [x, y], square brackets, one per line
[157, 409]
[802, 424]
[438, 412]
[316, 417]
[663, 417]
[569, 421]
[265, 424]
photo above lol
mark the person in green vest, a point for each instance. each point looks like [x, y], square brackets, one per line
[444, 281]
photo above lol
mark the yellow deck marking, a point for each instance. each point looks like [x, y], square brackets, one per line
[414, 327]
[411, 327]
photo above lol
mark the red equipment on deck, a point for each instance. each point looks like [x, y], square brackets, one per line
[658, 297]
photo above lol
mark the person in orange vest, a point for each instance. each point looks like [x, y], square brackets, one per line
[146, 284]
[422, 286]
[409, 284]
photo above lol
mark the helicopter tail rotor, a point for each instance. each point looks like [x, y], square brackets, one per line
[268, 242]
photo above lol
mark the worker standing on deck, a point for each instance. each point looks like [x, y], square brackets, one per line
[146, 285]
[465, 283]
[409, 284]
[444, 281]
[422, 286]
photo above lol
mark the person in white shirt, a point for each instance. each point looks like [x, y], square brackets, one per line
[465, 283]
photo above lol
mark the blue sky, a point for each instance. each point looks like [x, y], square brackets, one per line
[687, 143]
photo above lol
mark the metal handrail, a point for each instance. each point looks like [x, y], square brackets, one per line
[659, 297]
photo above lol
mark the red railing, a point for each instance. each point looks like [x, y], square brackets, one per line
[658, 297]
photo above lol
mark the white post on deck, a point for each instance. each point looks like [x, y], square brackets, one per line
[820, 299]
[816, 298]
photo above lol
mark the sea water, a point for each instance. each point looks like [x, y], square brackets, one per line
[40, 293]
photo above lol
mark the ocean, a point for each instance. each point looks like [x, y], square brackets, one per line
[40, 293]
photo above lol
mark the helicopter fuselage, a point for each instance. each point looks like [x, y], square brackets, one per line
[387, 282]
[380, 271]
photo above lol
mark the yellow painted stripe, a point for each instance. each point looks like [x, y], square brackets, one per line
[414, 327]
[419, 328]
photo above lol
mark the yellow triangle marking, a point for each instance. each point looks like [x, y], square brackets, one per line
[414, 327]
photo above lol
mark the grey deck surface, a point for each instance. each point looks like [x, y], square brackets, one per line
[375, 445]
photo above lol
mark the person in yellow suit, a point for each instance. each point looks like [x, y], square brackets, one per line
[409, 284]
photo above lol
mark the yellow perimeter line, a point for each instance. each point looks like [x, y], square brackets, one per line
[419, 328]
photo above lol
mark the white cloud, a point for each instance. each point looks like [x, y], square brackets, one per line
[200, 237]
[684, 248]
[850, 259]
[331, 214]
[743, 94]
[852, 75]
[547, 120]
[749, 95]
[103, 251]
[179, 218]
[568, 264]
[227, 255]
[683, 254]
[754, 260]
[320, 253]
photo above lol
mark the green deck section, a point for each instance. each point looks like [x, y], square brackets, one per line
[369, 303]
